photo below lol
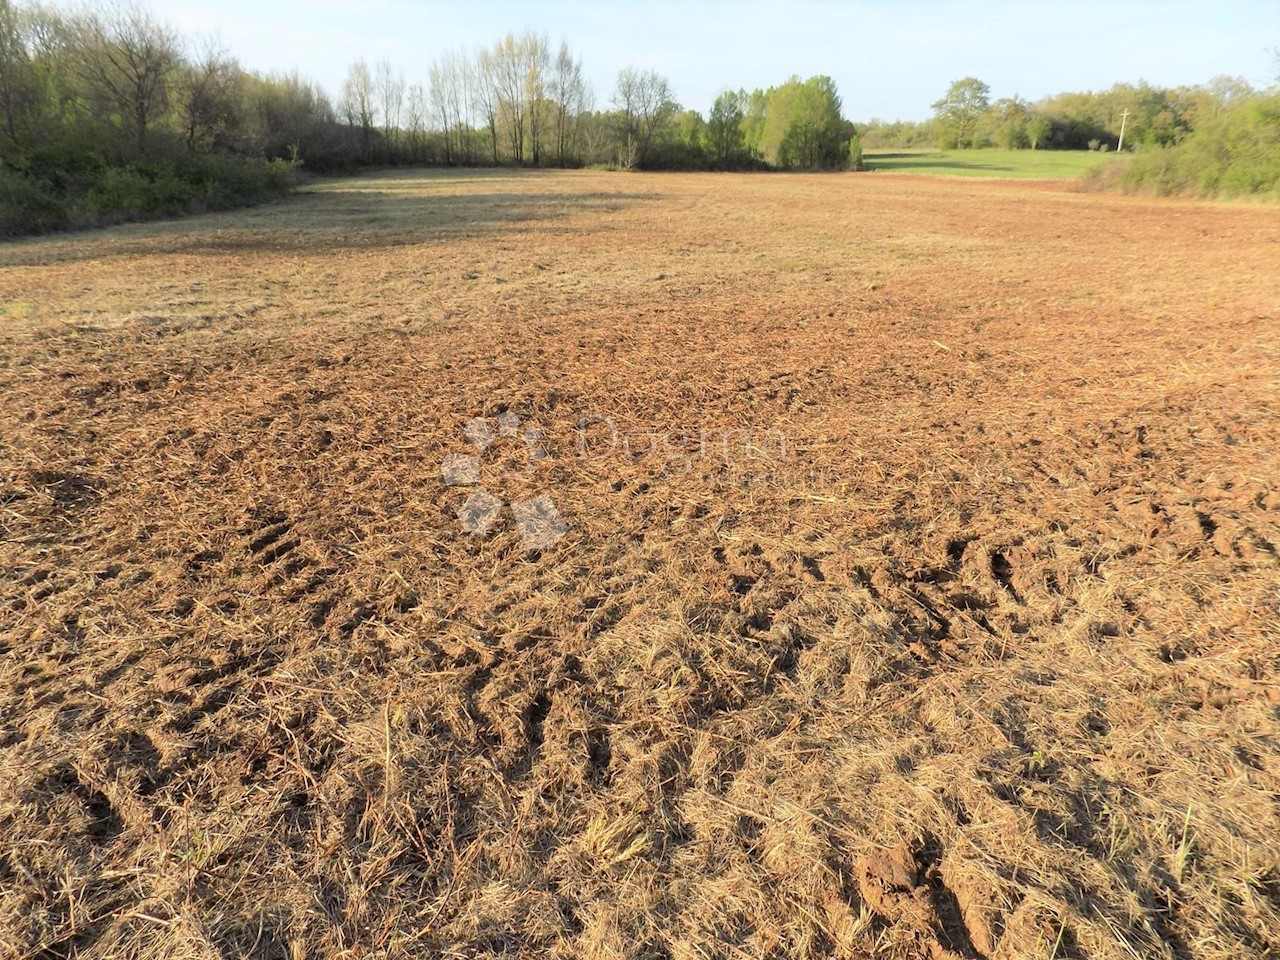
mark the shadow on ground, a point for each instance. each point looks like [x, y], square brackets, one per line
[912, 162]
[383, 210]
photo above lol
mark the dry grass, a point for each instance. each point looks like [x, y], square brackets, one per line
[984, 666]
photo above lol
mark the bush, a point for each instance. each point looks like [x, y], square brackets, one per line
[28, 206]
[84, 196]
[121, 194]
[1235, 155]
[855, 153]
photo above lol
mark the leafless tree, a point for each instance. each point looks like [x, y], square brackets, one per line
[444, 99]
[389, 87]
[537, 67]
[508, 78]
[464, 106]
[486, 96]
[568, 95]
[457, 92]
[417, 121]
[126, 60]
[292, 113]
[208, 95]
[643, 99]
[357, 104]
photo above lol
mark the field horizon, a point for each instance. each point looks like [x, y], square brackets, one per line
[499, 563]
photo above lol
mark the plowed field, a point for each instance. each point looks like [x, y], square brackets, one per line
[648, 566]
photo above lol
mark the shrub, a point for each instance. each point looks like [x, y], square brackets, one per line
[85, 195]
[855, 153]
[1237, 154]
[28, 206]
[122, 194]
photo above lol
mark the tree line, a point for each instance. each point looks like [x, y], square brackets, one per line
[520, 102]
[1215, 139]
[111, 115]
[967, 117]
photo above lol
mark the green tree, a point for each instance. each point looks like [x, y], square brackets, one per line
[1038, 129]
[958, 113]
[774, 117]
[19, 88]
[691, 129]
[1007, 123]
[1236, 153]
[725, 136]
[816, 135]
[753, 111]
[855, 152]
[798, 124]
[880, 134]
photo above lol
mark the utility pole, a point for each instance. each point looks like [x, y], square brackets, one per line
[1124, 118]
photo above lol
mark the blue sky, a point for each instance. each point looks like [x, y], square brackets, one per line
[889, 59]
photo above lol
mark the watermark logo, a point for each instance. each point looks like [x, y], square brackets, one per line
[537, 519]
[741, 454]
[681, 450]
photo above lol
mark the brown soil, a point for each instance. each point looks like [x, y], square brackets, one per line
[930, 608]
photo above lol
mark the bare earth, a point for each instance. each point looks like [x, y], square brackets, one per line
[919, 597]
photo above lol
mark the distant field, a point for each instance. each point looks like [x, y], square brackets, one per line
[1020, 164]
